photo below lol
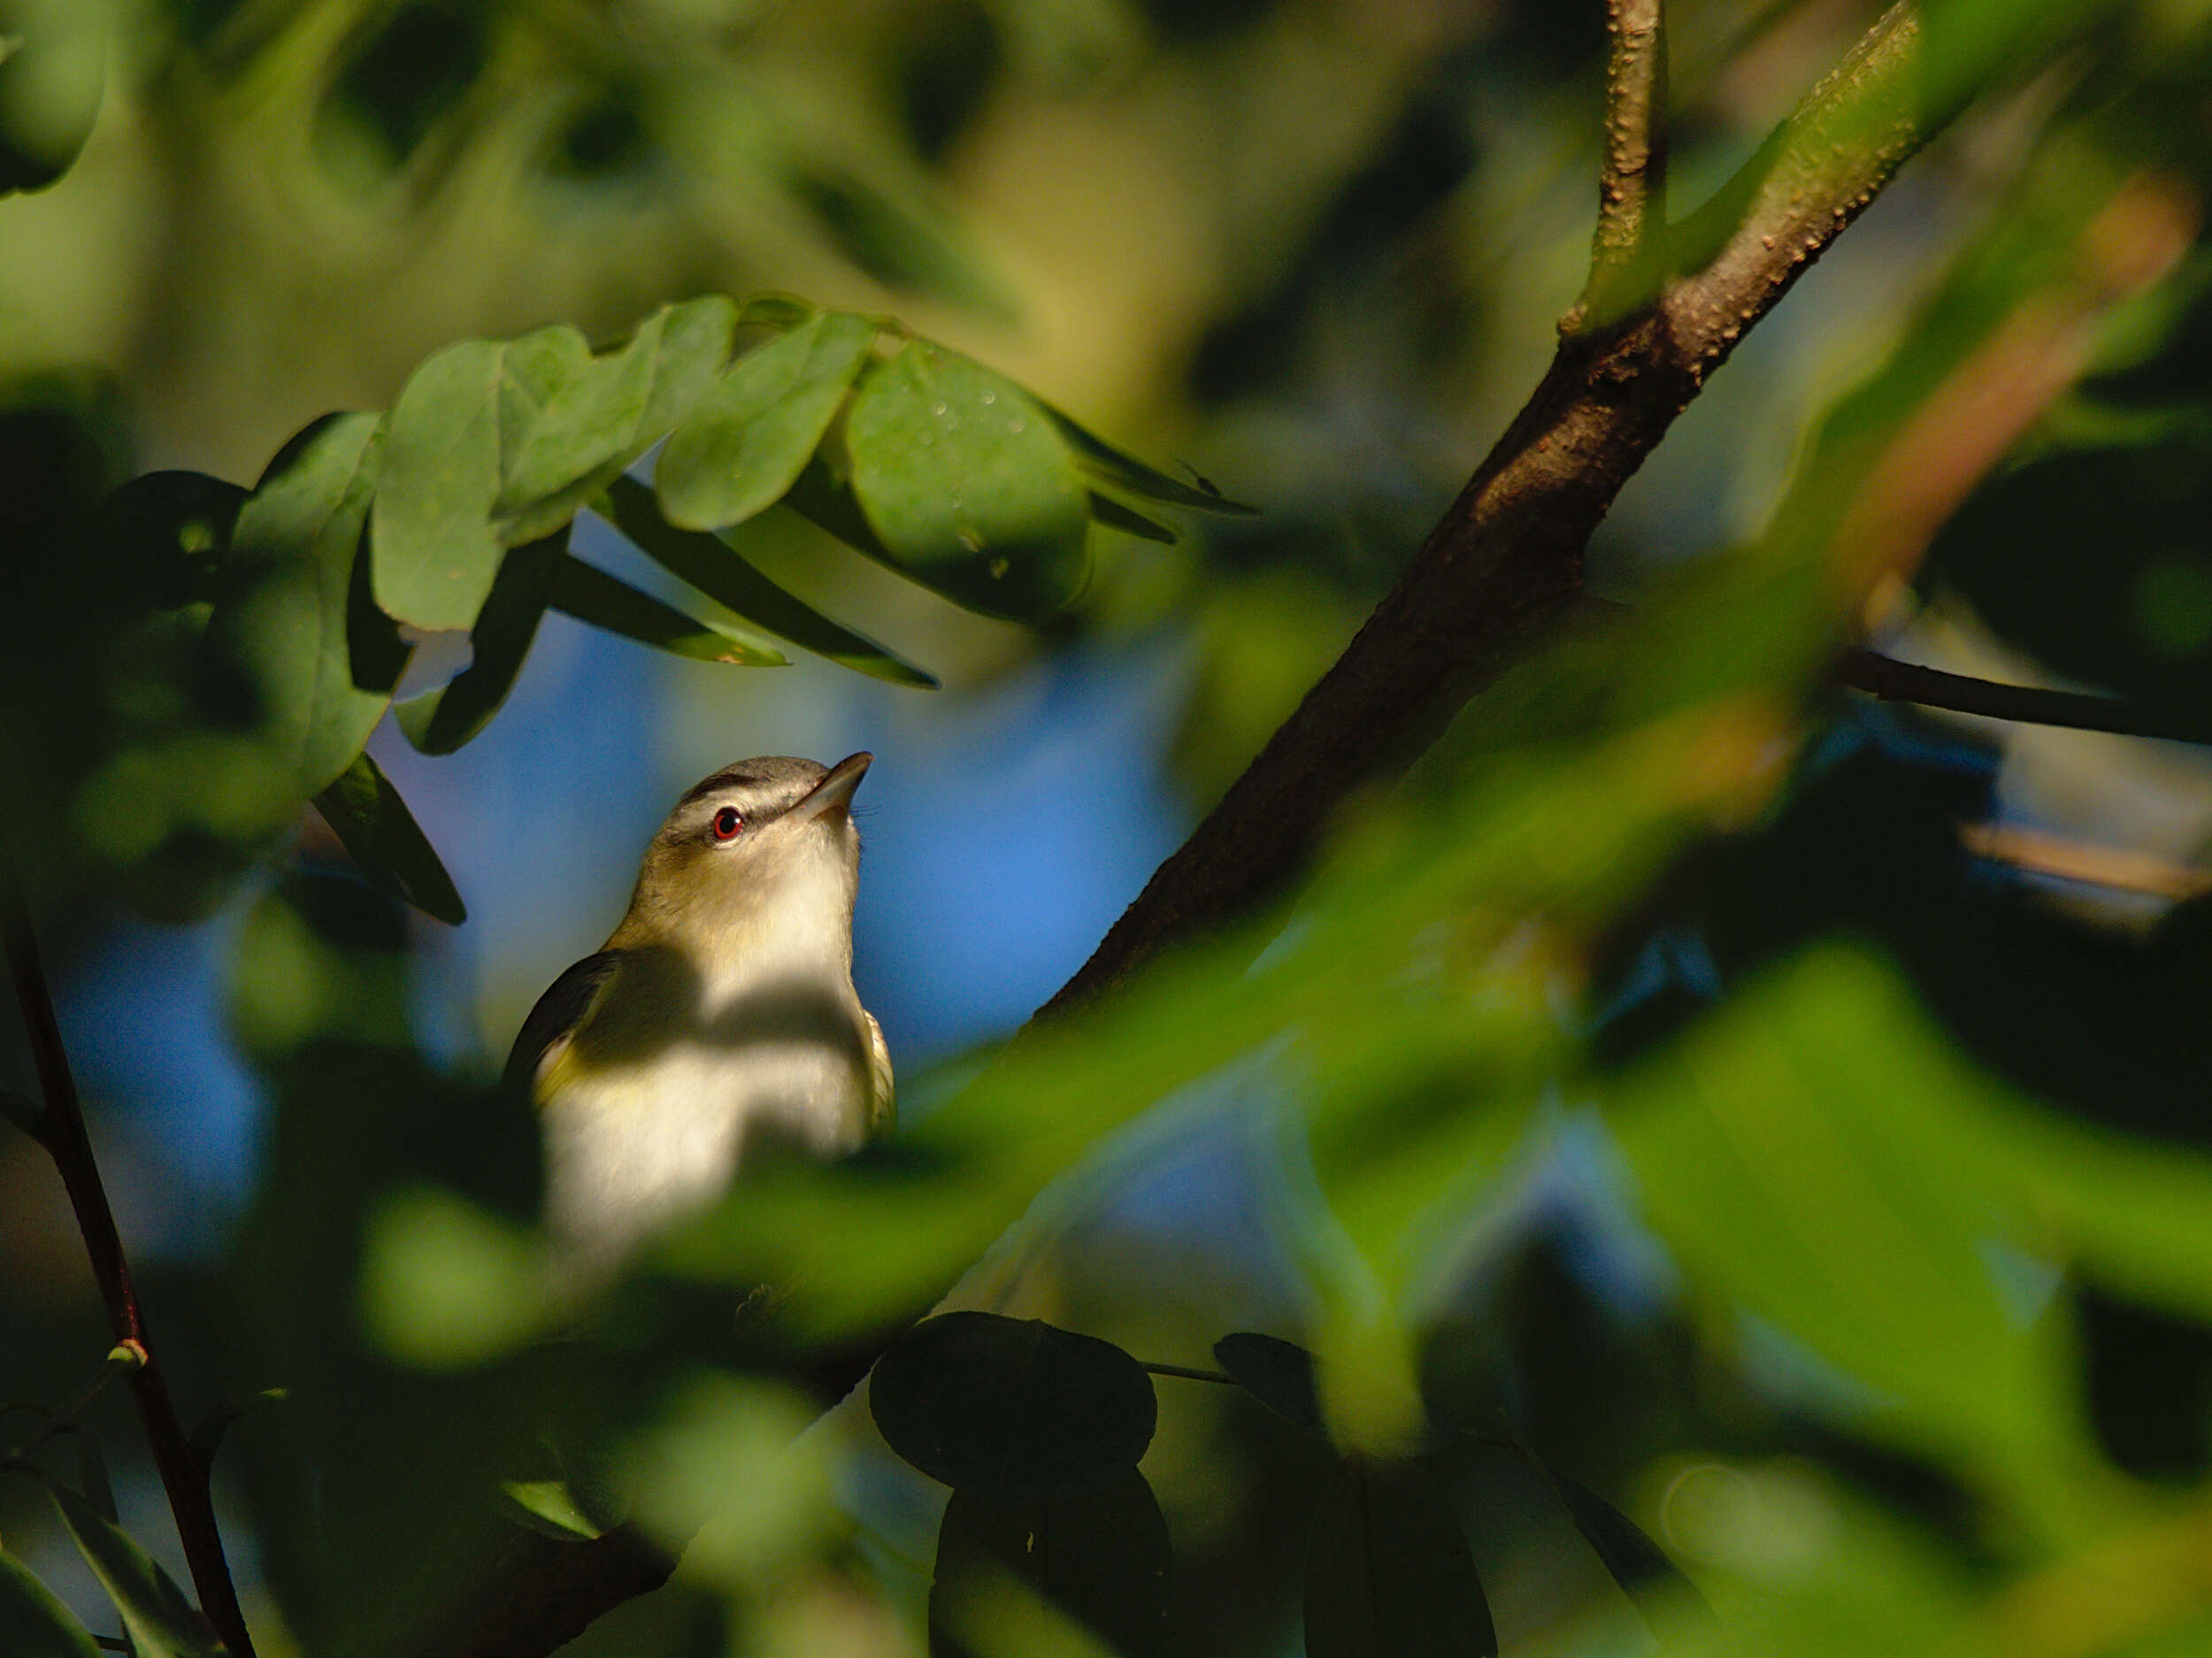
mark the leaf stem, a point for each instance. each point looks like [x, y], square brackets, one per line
[70, 1146]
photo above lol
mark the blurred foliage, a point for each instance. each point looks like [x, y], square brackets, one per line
[1821, 1211]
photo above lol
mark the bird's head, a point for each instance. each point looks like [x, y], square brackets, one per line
[766, 839]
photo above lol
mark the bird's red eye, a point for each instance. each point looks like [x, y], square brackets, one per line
[728, 824]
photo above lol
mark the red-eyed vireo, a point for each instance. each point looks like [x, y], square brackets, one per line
[719, 1013]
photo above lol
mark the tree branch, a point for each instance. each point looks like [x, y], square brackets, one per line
[1894, 682]
[1628, 248]
[1507, 558]
[62, 1131]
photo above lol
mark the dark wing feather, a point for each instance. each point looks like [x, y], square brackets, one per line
[563, 1007]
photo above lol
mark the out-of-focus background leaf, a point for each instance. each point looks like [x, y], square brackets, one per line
[1780, 1112]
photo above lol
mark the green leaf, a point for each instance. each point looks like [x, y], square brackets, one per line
[607, 412]
[296, 622]
[967, 485]
[1641, 1568]
[545, 1506]
[440, 721]
[1101, 460]
[159, 1618]
[367, 814]
[590, 594]
[742, 445]
[1278, 1373]
[33, 1624]
[445, 1284]
[710, 564]
[1128, 520]
[1389, 1572]
[1100, 1559]
[51, 82]
[1011, 1408]
[435, 551]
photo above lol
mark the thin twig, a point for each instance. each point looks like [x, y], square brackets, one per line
[1895, 682]
[1628, 248]
[66, 1142]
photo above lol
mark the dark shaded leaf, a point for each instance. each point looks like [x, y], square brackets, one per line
[296, 622]
[52, 82]
[440, 721]
[92, 1472]
[967, 486]
[605, 414]
[25, 1112]
[159, 1619]
[1100, 1558]
[163, 537]
[1095, 455]
[1128, 520]
[713, 566]
[590, 594]
[1011, 1408]
[1389, 1572]
[1641, 1568]
[1278, 1373]
[367, 814]
[744, 442]
[33, 1622]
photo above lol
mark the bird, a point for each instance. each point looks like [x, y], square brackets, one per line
[718, 1017]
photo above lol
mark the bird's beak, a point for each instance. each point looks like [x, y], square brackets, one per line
[834, 792]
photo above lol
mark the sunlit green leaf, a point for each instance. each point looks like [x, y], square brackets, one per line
[296, 620]
[367, 814]
[1011, 1408]
[712, 565]
[590, 594]
[545, 1506]
[745, 441]
[161, 1622]
[1101, 1559]
[33, 1624]
[1101, 460]
[435, 550]
[52, 77]
[446, 1284]
[1389, 1572]
[726, 1473]
[1278, 1373]
[967, 485]
[604, 414]
[1802, 1152]
[440, 721]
